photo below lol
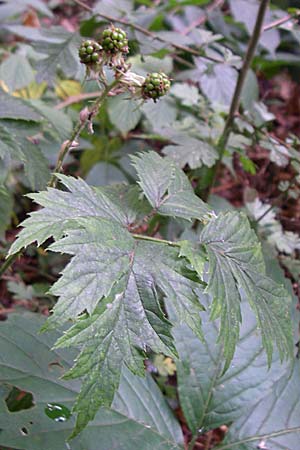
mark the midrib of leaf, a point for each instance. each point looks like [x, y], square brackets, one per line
[218, 363]
[259, 437]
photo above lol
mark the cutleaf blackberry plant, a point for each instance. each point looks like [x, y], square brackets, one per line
[205, 298]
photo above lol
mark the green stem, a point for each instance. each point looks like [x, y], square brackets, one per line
[157, 241]
[8, 262]
[235, 103]
[193, 442]
[81, 124]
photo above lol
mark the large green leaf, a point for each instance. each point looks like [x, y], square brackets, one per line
[103, 253]
[210, 398]
[273, 422]
[167, 188]
[121, 279]
[236, 262]
[28, 363]
[129, 320]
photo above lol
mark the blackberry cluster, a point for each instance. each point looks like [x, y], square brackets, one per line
[114, 40]
[90, 52]
[155, 85]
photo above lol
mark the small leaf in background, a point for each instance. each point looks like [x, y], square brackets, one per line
[124, 113]
[194, 255]
[104, 173]
[188, 94]
[67, 88]
[217, 81]
[248, 165]
[165, 365]
[33, 91]
[16, 72]
[160, 117]
[151, 64]
[13, 108]
[191, 151]
[60, 50]
[245, 11]
[6, 206]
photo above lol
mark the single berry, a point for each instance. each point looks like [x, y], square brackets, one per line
[114, 40]
[90, 52]
[156, 85]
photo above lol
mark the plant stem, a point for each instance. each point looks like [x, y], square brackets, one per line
[8, 262]
[76, 99]
[235, 103]
[193, 442]
[157, 241]
[77, 131]
[281, 21]
[148, 33]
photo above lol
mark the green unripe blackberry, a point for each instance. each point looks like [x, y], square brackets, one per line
[114, 40]
[156, 85]
[90, 52]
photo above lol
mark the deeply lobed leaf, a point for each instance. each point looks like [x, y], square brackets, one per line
[236, 262]
[120, 280]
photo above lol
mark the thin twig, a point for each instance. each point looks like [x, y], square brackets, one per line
[81, 124]
[8, 262]
[201, 20]
[193, 442]
[235, 103]
[76, 99]
[281, 21]
[148, 33]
